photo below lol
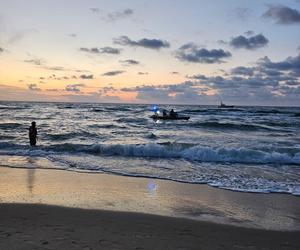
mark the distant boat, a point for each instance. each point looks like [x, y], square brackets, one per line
[222, 105]
[159, 117]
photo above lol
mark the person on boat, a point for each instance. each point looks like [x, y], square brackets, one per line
[173, 113]
[165, 113]
[32, 134]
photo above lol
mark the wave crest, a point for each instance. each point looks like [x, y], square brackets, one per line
[166, 150]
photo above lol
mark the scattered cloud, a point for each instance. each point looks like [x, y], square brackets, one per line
[145, 42]
[190, 52]
[291, 64]
[143, 73]
[103, 50]
[113, 73]
[87, 77]
[35, 61]
[283, 14]
[250, 43]
[242, 13]
[52, 90]
[95, 10]
[73, 35]
[265, 83]
[117, 15]
[249, 33]
[174, 73]
[19, 35]
[56, 68]
[241, 70]
[129, 62]
[33, 87]
[74, 87]
[197, 77]
[105, 90]
[1, 50]
[42, 63]
[114, 15]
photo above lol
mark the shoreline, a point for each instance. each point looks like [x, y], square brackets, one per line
[37, 226]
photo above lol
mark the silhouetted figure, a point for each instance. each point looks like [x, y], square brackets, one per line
[165, 113]
[32, 134]
[173, 113]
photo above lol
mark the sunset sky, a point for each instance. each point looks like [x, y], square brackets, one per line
[167, 51]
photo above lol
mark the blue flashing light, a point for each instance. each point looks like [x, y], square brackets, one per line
[154, 108]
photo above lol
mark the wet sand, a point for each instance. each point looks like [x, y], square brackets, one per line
[55, 209]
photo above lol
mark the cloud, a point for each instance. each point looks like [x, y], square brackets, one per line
[250, 43]
[241, 70]
[105, 90]
[73, 35]
[74, 87]
[19, 35]
[117, 15]
[42, 64]
[291, 64]
[242, 13]
[33, 87]
[52, 90]
[1, 50]
[113, 73]
[197, 77]
[143, 73]
[35, 61]
[145, 43]
[55, 68]
[103, 50]
[190, 52]
[249, 33]
[95, 10]
[87, 77]
[129, 62]
[283, 14]
[174, 73]
[186, 92]
[266, 83]
[114, 15]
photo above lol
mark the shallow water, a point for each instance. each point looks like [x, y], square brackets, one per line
[252, 149]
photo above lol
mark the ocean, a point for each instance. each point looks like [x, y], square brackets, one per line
[247, 149]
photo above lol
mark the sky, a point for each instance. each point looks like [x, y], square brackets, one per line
[156, 51]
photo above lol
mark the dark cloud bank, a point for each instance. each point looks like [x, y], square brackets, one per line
[266, 83]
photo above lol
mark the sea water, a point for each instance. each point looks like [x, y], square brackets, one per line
[250, 149]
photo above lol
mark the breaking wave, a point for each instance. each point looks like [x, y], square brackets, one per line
[166, 150]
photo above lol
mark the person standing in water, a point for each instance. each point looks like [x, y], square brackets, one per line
[32, 134]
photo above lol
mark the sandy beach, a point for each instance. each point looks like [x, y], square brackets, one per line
[55, 209]
[50, 227]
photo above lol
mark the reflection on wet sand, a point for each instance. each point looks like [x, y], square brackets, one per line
[118, 193]
[30, 179]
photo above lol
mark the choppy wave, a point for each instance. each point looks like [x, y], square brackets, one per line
[10, 125]
[263, 142]
[167, 150]
[235, 126]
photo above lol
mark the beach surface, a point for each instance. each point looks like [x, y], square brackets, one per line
[56, 209]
